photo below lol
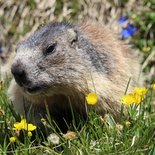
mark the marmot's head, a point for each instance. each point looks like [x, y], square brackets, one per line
[49, 59]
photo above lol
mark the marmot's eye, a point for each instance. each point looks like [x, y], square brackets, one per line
[50, 49]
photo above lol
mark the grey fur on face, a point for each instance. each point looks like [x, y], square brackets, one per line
[52, 56]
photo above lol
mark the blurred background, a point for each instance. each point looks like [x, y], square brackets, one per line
[133, 20]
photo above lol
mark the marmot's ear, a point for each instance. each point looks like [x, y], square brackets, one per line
[72, 36]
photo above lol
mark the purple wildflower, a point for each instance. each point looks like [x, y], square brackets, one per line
[129, 31]
[122, 20]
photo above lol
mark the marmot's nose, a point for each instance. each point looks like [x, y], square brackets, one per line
[18, 72]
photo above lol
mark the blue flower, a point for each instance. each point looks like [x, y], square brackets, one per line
[122, 20]
[129, 31]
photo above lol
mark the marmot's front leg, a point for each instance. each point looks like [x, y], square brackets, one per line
[32, 112]
[15, 95]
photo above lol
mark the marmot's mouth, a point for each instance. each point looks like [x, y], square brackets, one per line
[34, 90]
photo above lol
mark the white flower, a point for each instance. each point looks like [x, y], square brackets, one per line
[53, 138]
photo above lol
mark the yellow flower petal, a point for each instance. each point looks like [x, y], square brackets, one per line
[140, 91]
[20, 125]
[30, 127]
[138, 98]
[23, 121]
[92, 98]
[128, 99]
[12, 139]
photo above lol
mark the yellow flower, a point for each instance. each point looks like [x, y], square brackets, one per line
[153, 86]
[128, 99]
[140, 91]
[23, 125]
[92, 98]
[12, 139]
[30, 127]
[134, 98]
[30, 134]
[20, 125]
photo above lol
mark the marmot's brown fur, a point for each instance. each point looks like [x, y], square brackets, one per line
[61, 63]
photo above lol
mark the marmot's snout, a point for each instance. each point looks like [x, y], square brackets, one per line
[19, 73]
[23, 79]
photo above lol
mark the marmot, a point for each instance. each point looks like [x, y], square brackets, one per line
[60, 63]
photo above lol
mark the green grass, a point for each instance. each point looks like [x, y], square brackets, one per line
[97, 136]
